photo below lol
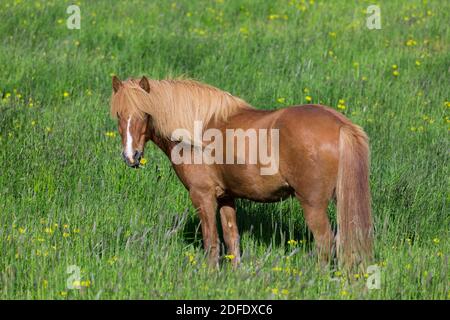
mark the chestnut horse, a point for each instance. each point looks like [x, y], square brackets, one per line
[322, 156]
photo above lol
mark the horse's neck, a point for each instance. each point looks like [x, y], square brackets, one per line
[162, 143]
[245, 115]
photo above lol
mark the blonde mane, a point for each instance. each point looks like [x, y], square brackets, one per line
[175, 103]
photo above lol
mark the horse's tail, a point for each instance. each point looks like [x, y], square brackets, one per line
[354, 218]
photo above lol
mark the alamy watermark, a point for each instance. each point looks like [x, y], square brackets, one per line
[73, 281]
[74, 20]
[373, 21]
[237, 146]
[374, 277]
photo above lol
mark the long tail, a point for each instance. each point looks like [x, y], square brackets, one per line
[355, 228]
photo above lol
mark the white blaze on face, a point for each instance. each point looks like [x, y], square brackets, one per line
[129, 142]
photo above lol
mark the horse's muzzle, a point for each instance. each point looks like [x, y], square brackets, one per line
[136, 159]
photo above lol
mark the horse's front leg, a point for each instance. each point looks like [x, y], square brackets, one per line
[206, 205]
[230, 229]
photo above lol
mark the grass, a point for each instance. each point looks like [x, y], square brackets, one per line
[66, 198]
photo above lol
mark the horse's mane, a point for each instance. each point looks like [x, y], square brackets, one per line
[175, 103]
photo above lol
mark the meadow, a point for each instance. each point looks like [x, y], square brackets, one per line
[68, 202]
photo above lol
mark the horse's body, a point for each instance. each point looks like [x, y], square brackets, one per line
[322, 156]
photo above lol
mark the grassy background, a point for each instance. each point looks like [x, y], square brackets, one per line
[66, 198]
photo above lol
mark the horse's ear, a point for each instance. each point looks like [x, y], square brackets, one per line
[144, 84]
[116, 83]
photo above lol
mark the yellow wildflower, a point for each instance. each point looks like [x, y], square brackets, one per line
[111, 134]
[86, 283]
[277, 269]
[112, 260]
[341, 104]
[243, 30]
[344, 293]
[143, 161]
[274, 16]
[76, 284]
[411, 43]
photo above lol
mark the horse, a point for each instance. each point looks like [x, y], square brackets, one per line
[322, 157]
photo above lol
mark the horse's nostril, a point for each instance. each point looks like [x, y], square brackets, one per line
[132, 161]
[137, 156]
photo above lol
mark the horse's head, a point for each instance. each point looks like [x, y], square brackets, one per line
[133, 126]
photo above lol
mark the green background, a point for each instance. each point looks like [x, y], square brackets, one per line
[66, 198]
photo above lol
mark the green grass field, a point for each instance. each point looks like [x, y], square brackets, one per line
[66, 197]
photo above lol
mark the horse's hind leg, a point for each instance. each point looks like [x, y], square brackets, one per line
[230, 229]
[318, 223]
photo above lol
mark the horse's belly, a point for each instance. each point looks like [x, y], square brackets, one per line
[274, 195]
[256, 187]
